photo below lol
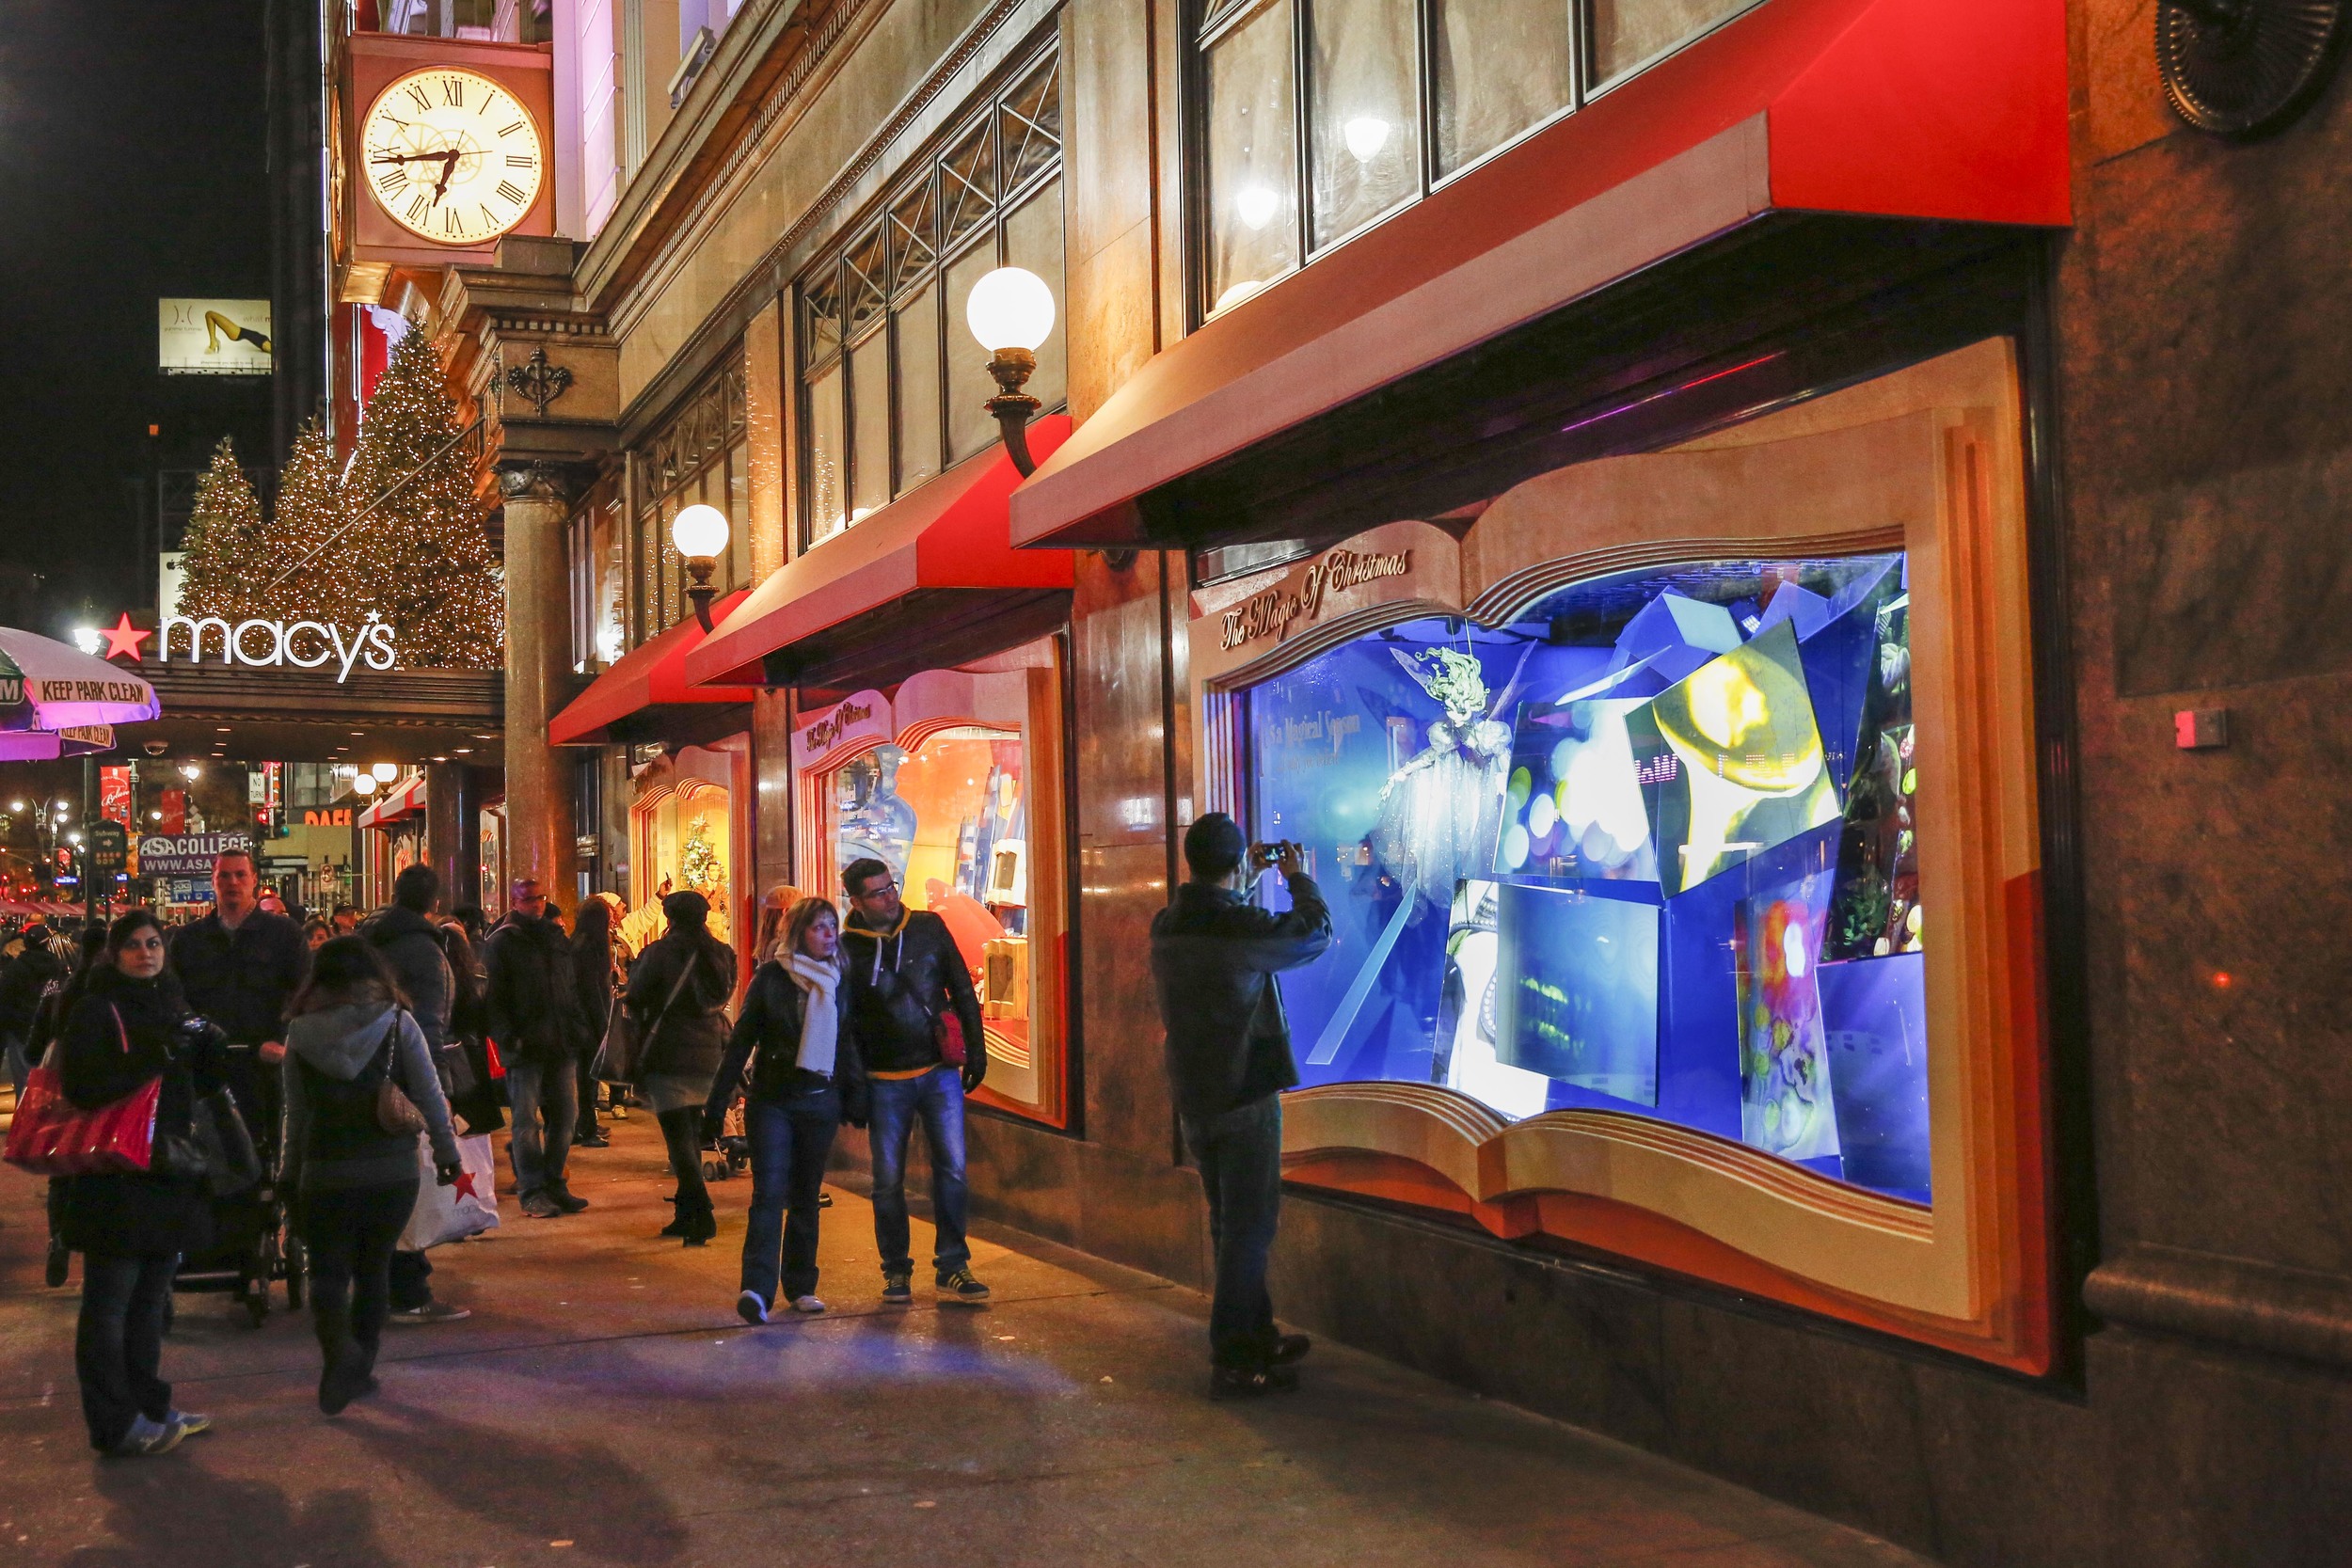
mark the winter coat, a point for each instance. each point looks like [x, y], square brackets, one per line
[332, 1140]
[900, 980]
[412, 945]
[592, 976]
[29, 974]
[767, 1038]
[531, 1004]
[691, 1036]
[133, 1214]
[1214, 958]
[242, 979]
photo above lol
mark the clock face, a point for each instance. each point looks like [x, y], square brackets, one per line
[452, 156]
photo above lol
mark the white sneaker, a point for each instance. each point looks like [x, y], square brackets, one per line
[751, 1309]
[809, 1305]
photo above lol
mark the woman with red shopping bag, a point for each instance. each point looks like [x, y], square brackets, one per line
[130, 1028]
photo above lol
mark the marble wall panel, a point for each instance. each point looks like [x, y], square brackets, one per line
[2117, 104]
[2232, 1031]
[1127, 1103]
[1107, 109]
[1569, 1343]
[2212, 1459]
[2216, 442]
[1110, 302]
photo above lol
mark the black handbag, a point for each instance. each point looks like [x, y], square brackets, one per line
[231, 1164]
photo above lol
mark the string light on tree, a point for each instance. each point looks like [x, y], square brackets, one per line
[423, 556]
[226, 544]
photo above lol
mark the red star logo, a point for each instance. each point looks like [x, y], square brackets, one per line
[464, 1186]
[124, 637]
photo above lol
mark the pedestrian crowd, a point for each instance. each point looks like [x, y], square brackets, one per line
[324, 1079]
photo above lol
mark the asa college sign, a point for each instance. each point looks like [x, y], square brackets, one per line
[304, 644]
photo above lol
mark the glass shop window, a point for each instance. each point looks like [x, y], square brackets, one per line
[1650, 848]
[596, 546]
[699, 456]
[1314, 118]
[473, 21]
[951, 819]
[894, 385]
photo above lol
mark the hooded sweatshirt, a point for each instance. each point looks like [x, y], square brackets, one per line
[345, 1044]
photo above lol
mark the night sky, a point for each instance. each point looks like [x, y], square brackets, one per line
[132, 168]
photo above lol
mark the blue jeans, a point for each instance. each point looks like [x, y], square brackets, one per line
[532, 1088]
[118, 1346]
[937, 1097]
[1240, 1154]
[790, 1139]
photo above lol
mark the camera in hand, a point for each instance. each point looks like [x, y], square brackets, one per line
[1264, 855]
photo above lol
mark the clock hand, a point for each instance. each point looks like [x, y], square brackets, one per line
[449, 166]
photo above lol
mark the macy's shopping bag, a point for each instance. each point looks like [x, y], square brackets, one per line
[455, 1212]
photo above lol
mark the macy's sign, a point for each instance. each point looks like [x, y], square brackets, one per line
[304, 644]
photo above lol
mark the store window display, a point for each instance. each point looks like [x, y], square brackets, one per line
[1650, 847]
[950, 780]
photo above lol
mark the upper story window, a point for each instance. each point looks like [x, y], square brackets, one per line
[596, 545]
[893, 387]
[1314, 118]
[699, 455]
[476, 21]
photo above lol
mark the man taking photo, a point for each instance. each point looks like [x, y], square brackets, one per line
[907, 981]
[531, 1009]
[1214, 958]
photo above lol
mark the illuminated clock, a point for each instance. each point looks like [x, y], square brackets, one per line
[452, 156]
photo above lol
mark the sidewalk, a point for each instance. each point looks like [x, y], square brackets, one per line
[604, 1405]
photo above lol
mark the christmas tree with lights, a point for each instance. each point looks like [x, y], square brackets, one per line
[226, 544]
[698, 860]
[419, 555]
[302, 533]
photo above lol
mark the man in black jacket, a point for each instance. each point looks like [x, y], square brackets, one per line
[1214, 958]
[905, 976]
[240, 965]
[533, 1011]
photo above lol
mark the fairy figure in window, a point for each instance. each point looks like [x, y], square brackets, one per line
[1441, 812]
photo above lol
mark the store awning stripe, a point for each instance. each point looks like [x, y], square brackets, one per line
[1950, 110]
[951, 534]
[649, 677]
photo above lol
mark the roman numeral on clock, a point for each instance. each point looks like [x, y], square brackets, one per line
[449, 222]
[453, 92]
[423, 99]
[419, 208]
[392, 180]
[509, 190]
[506, 131]
[489, 219]
[522, 160]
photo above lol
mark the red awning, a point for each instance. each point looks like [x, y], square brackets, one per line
[943, 543]
[406, 798]
[647, 679]
[1931, 109]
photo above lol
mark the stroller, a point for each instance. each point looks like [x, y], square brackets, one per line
[253, 1248]
[731, 1155]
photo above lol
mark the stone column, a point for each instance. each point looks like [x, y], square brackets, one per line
[453, 832]
[538, 661]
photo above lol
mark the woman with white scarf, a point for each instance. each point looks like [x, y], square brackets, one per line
[805, 1080]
